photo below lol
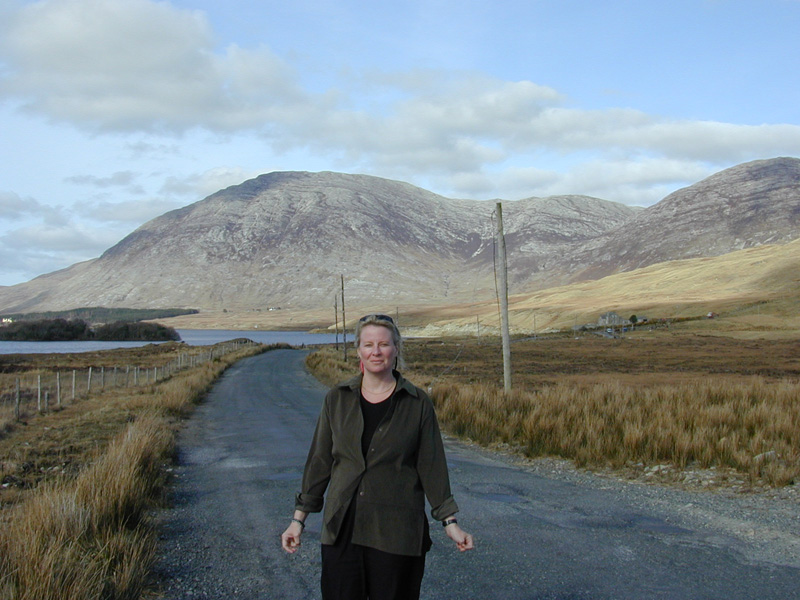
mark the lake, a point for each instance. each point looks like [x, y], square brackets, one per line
[193, 337]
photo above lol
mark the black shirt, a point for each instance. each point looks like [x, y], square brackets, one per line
[373, 415]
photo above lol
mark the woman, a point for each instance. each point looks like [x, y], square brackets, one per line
[378, 452]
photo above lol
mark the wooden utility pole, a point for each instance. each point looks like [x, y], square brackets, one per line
[344, 324]
[503, 292]
[336, 317]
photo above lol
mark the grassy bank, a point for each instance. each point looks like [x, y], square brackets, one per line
[671, 402]
[77, 485]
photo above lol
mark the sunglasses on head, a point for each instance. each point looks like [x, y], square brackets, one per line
[377, 318]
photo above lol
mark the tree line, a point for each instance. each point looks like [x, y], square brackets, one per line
[70, 330]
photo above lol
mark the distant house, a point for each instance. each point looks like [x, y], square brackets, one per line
[611, 319]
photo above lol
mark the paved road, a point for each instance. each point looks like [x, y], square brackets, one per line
[564, 536]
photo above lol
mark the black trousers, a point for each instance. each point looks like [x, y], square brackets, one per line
[353, 572]
[361, 573]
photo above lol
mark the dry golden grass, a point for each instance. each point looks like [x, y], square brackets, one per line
[760, 280]
[687, 401]
[328, 365]
[751, 427]
[80, 483]
[86, 538]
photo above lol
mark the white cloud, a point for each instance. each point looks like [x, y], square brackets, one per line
[712, 141]
[120, 179]
[13, 207]
[137, 65]
[128, 65]
[639, 181]
[127, 213]
[65, 237]
[199, 185]
[45, 247]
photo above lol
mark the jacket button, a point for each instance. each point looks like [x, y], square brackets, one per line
[360, 493]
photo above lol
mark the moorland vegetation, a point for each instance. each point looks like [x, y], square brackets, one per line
[681, 407]
[78, 482]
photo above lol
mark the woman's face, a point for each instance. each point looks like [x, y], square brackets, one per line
[376, 349]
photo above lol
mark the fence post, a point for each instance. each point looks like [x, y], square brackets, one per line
[39, 393]
[58, 388]
[16, 402]
[46, 400]
[73, 385]
[89, 382]
[102, 378]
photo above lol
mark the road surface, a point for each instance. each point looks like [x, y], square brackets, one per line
[541, 531]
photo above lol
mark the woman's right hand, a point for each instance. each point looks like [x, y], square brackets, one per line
[290, 539]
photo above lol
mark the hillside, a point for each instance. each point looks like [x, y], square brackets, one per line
[756, 289]
[748, 205]
[284, 239]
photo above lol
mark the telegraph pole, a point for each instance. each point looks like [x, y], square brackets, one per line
[336, 317]
[503, 292]
[344, 324]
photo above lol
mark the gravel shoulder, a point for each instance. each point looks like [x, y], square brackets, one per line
[766, 522]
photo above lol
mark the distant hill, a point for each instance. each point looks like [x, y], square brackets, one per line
[760, 286]
[282, 240]
[748, 205]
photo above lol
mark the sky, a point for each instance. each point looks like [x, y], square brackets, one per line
[113, 112]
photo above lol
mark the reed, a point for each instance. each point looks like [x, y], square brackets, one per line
[752, 427]
[329, 367]
[683, 401]
[87, 538]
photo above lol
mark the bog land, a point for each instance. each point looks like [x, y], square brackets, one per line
[669, 405]
[673, 406]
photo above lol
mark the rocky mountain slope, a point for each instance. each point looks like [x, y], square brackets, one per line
[283, 240]
[748, 205]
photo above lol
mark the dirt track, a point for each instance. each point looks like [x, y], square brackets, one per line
[542, 529]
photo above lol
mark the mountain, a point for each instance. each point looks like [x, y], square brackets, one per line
[284, 239]
[747, 205]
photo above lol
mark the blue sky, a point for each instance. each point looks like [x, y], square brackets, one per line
[114, 111]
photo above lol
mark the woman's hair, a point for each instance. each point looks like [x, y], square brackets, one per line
[387, 322]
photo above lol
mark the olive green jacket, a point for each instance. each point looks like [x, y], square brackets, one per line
[405, 463]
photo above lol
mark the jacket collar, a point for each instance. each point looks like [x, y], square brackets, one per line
[354, 384]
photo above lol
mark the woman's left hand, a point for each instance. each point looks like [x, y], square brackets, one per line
[462, 539]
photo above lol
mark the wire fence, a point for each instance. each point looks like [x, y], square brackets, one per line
[46, 389]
